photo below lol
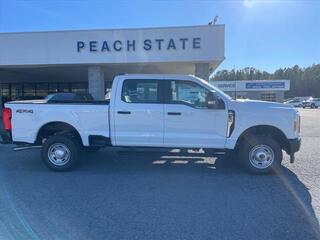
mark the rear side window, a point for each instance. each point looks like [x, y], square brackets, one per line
[140, 91]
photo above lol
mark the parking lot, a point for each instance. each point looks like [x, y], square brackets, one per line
[122, 194]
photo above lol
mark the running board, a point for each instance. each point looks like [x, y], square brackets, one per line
[26, 147]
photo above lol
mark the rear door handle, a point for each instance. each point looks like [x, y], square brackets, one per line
[124, 112]
[174, 113]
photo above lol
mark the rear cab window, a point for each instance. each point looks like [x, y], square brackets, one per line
[141, 91]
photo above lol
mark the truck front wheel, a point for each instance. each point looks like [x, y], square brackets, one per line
[60, 153]
[261, 154]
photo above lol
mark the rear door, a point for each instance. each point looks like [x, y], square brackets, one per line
[188, 120]
[138, 116]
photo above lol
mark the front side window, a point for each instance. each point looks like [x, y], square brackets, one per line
[189, 93]
[140, 91]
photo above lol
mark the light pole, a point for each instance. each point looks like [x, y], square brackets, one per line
[235, 83]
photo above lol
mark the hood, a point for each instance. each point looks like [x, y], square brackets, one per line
[262, 104]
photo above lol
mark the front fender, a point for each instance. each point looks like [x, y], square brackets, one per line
[245, 119]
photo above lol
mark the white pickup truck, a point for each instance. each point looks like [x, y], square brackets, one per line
[169, 111]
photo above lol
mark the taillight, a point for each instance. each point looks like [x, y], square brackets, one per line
[7, 114]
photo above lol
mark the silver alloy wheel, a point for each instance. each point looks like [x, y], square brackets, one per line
[59, 154]
[261, 156]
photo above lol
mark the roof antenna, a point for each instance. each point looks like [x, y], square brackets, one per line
[214, 21]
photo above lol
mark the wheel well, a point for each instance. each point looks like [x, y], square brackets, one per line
[55, 128]
[274, 132]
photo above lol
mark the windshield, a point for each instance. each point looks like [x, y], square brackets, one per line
[49, 97]
[215, 89]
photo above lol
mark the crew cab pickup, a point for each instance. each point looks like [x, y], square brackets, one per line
[152, 110]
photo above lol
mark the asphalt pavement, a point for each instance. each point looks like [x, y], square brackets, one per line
[122, 194]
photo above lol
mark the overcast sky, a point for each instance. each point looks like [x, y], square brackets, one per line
[262, 34]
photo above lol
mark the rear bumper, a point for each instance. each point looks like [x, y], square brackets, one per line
[5, 137]
[294, 145]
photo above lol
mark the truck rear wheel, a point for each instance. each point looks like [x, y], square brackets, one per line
[261, 154]
[60, 153]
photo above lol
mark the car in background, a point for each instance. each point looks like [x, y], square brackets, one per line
[69, 97]
[294, 102]
[311, 103]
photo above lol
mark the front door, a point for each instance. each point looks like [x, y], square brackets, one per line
[188, 120]
[139, 114]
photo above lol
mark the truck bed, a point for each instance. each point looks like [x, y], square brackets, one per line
[89, 118]
[43, 101]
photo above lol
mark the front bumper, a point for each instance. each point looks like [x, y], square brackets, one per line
[294, 145]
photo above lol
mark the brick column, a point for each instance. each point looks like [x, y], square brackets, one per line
[96, 82]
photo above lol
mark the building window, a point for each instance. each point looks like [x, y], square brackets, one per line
[53, 88]
[16, 91]
[63, 87]
[5, 91]
[79, 87]
[24, 91]
[29, 90]
[271, 97]
[42, 89]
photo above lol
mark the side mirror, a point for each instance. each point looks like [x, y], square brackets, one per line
[214, 102]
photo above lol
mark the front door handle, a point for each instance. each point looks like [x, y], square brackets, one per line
[174, 113]
[124, 112]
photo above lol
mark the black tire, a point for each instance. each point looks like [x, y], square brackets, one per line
[313, 106]
[232, 155]
[91, 149]
[251, 145]
[71, 154]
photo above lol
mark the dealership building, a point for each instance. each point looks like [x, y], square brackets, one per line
[33, 64]
[267, 90]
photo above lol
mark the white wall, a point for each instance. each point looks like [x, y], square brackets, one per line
[60, 47]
